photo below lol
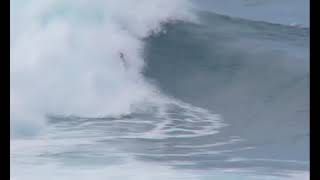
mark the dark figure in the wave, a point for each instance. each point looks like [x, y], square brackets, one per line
[124, 62]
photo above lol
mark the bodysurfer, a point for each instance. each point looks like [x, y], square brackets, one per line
[124, 62]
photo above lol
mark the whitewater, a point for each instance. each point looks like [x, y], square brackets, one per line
[204, 95]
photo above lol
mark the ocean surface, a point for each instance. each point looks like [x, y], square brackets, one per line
[206, 93]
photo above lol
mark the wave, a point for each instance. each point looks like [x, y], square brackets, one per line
[65, 57]
[255, 75]
[202, 91]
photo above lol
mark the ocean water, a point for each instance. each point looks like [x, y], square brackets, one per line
[203, 95]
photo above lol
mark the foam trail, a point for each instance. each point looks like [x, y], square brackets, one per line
[64, 56]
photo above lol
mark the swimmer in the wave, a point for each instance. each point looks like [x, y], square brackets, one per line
[124, 62]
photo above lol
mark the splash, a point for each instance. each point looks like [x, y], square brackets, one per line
[64, 56]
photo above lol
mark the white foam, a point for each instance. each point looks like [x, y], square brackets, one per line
[64, 56]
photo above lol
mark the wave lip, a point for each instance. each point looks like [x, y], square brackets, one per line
[285, 12]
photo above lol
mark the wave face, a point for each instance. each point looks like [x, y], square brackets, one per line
[204, 96]
[254, 74]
